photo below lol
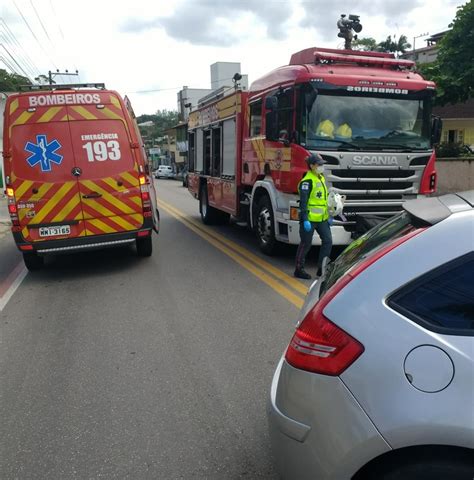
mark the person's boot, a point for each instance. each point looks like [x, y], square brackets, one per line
[301, 273]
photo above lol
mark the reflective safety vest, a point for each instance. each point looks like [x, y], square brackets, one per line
[317, 208]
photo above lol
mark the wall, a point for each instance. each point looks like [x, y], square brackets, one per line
[455, 175]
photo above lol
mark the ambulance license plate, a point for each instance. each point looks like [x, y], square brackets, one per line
[54, 231]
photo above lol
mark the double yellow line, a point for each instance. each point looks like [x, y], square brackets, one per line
[289, 288]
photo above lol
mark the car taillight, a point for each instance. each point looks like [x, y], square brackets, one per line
[319, 345]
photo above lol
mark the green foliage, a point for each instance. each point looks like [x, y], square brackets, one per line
[447, 150]
[367, 44]
[162, 120]
[453, 70]
[9, 82]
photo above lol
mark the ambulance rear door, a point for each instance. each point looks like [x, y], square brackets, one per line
[109, 174]
[42, 174]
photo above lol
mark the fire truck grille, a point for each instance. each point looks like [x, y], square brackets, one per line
[373, 173]
[361, 185]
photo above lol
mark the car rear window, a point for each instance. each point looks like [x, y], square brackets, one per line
[387, 231]
[442, 300]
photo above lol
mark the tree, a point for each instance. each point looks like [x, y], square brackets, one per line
[9, 82]
[395, 46]
[453, 70]
[367, 44]
[162, 120]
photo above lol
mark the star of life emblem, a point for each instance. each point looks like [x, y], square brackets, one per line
[43, 153]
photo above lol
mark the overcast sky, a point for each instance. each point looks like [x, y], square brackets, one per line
[149, 49]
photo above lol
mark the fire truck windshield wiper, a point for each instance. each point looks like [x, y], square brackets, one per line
[343, 145]
[394, 146]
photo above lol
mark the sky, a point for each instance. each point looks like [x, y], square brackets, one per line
[149, 49]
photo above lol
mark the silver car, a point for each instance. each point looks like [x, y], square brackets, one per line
[378, 379]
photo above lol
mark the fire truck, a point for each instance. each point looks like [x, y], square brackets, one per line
[368, 114]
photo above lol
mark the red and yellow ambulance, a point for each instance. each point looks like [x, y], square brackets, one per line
[76, 172]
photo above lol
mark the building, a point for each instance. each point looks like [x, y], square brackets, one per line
[222, 74]
[426, 54]
[458, 119]
[458, 123]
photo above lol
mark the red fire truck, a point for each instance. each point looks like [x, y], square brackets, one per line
[367, 113]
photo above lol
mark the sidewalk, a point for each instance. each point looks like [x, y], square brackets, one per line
[4, 216]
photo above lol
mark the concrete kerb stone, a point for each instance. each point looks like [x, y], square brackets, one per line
[4, 216]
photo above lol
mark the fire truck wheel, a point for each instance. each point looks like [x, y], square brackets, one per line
[209, 215]
[144, 247]
[265, 227]
[33, 261]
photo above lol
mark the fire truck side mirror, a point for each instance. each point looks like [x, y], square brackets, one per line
[271, 126]
[436, 129]
[271, 103]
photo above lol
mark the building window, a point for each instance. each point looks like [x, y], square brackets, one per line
[256, 119]
[454, 136]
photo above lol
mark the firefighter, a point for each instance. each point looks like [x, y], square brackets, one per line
[313, 215]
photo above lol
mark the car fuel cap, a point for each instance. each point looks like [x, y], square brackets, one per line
[429, 368]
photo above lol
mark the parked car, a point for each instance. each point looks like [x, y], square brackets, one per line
[164, 171]
[185, 178]
[377, 381]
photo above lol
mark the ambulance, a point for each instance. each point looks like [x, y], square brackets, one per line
[76, 173]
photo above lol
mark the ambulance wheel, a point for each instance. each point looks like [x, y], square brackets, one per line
[144, 247]
[265, 227]
[33, 261]
[209, 215]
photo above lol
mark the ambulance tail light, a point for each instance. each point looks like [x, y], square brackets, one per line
[12, 208]
[145, 193]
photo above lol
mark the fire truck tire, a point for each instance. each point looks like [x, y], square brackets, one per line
[33, 261]
[144, 247]
[209, 215]
[265, 227]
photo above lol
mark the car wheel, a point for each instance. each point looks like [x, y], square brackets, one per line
[428, 470]
[33, 261]
[265, 227]
[144, 246]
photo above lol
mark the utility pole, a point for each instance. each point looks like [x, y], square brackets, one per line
[57, 72]
[418, 36]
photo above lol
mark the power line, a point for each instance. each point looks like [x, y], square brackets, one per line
[21, 60]
[16, 63]
[8, 64]
[40, 21]
[33, 33]
[13, 38]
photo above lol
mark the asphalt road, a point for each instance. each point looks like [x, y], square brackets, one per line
[113, 366]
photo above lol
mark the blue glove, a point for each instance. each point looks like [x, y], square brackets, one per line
[307, 226]
[330, 221]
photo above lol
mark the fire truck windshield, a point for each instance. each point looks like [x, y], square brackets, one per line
[338, 121]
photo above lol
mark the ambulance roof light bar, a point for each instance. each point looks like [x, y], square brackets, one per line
[66, 86]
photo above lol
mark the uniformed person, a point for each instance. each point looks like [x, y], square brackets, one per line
[313, 215]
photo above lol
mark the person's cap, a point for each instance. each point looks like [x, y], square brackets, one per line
[315, 159]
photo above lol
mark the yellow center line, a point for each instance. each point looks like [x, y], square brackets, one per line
[290, 281]
[286, 293]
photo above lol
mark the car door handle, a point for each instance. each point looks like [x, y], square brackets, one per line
[92, 195]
